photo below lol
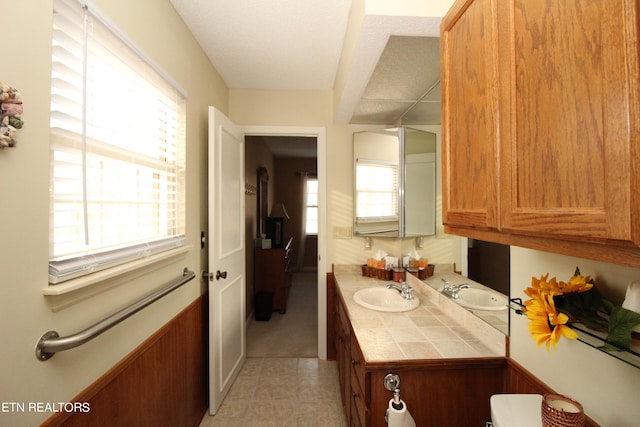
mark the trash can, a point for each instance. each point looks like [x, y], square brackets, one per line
[263, 306]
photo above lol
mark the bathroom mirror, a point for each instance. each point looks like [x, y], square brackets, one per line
[395, 183]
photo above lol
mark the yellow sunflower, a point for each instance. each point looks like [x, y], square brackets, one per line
[577, 283]
[543, 286]
[547, 324]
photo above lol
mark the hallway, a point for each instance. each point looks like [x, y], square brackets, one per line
[283, 383]
[295, 333]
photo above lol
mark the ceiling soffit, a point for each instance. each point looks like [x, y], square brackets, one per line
[405, 85]
[375, 33]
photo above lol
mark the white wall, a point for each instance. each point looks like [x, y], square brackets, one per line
[25, 314]
[314, 108]
[606, 387]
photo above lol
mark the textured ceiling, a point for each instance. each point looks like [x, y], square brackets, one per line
[275, 44]
[296, 45]
[405, 85]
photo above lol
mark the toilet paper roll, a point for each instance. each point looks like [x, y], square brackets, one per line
[399, 417]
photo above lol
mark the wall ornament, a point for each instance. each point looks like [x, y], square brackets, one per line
[10, 115]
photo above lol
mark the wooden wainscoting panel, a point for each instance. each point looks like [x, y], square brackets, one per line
[163, 382]
[521, 381]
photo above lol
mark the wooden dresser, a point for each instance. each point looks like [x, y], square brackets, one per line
[272, 274]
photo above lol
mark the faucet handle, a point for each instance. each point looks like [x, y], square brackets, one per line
[406, 291]
[446, 284]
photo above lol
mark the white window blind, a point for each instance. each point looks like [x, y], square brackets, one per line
[117, 148]
[311, 217]
[377, 191]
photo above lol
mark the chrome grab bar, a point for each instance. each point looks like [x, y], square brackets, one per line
[50, 342]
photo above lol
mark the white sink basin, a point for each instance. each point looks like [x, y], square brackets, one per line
[482, 299]
[383, 299]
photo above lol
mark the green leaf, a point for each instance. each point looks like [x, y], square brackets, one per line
[608, 305]
[580, 304]
[621, 322]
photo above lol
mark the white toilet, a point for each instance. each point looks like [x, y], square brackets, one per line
[516, 410]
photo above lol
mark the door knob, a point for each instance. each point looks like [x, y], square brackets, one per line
[221, 274]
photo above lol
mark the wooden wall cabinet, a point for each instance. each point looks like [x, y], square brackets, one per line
[469, 84]
[541, 106]
[272, 274]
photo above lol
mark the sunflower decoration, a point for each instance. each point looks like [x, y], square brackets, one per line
[556, 308]
[547, 324]
[555, 304]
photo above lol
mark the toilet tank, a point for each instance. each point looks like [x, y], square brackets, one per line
[516, 410]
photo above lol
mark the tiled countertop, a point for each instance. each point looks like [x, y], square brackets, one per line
[438, 329]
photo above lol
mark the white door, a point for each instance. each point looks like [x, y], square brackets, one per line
[227, 340]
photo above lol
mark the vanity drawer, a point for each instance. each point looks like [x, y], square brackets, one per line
[357, 362]
[358, 403]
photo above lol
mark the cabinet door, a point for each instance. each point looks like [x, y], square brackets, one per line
[358, 383]
[569, 119]
[343, 357]
[470, 162]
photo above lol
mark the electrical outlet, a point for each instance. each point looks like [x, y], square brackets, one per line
[367, 243]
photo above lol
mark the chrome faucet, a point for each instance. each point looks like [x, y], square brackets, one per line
[404, 289]
[452, 290]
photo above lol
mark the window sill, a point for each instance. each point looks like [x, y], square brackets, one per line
[84, 282]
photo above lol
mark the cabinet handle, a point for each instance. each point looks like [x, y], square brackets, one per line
[354, 362]
[355, 395]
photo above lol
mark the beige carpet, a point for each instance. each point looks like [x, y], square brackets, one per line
[295, 333]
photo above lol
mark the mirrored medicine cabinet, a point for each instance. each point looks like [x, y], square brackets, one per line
[395, 183]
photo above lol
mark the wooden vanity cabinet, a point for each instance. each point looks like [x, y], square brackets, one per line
[343, 356]
[438, 392]
[540, 125]
[359, 397]
[272, 274]
[350, 371]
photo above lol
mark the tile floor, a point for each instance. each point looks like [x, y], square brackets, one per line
[283, 392]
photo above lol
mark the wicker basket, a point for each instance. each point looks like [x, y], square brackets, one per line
[425, 273]
[561, 411]
[377, 273]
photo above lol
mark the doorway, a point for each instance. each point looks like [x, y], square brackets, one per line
[307, 273]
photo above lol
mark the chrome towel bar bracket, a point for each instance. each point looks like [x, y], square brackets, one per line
[50, 342]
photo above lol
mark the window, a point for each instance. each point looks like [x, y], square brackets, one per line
[311, 217]
[376, 191]
[117, 148]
